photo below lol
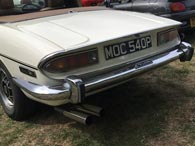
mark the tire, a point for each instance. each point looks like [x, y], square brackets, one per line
[15, 104]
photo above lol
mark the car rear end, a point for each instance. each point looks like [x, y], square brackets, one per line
[73, 60]
[108, 64]
[112, 54]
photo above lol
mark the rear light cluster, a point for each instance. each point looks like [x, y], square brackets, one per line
[168, 36]
[70, 62]
[177, 7]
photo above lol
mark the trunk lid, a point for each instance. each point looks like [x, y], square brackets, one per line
[76, 30]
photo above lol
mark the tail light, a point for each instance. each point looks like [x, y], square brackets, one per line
[70, 62]
[177, 7]
[168, 36]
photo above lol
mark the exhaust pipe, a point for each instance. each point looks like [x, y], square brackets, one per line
[90, 109]
[76, 115]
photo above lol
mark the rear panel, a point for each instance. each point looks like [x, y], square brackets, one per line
[110, 58]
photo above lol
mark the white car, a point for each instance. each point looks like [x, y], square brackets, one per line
[60, 56]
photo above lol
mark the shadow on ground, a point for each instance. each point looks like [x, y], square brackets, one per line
[134, 112]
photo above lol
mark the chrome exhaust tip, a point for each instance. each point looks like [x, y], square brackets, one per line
[83, 113]
[90, 109]
[76, 115]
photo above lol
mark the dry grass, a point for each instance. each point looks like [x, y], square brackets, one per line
[156, 109]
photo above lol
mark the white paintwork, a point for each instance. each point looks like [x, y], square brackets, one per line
[30, 41]
[93, 27]
[71, 31]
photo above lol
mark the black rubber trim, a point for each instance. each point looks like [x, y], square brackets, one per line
[81, 87]
[27, 71]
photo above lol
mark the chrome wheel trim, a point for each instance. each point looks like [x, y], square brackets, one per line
[6, 91]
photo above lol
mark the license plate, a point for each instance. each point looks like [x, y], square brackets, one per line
[127, 47]
[192, 21]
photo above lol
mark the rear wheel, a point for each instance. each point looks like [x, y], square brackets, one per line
[13, 100]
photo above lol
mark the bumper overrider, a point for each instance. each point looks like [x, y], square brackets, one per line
[75, 88]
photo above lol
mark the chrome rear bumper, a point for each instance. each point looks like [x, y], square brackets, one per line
[75, 89]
